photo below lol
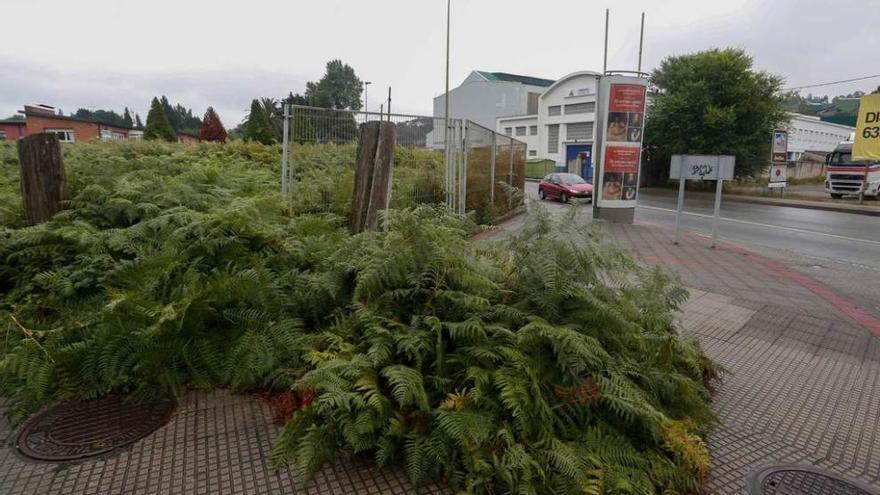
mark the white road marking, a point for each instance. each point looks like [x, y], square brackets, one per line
[758, 224]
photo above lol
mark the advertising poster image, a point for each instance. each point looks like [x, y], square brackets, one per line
[626, 120]
[621, 172]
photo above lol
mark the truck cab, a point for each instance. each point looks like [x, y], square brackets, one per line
[845, 177]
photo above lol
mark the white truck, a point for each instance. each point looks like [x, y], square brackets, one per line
[846, 177]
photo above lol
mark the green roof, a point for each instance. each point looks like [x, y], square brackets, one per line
[504, 76]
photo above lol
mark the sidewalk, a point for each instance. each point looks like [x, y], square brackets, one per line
[805, 362]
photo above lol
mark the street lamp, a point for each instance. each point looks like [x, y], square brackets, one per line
[366, 86]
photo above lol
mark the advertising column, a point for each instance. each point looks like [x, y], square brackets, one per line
[621, 121]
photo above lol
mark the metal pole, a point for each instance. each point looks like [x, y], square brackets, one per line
[641, 39]
[864, 184]
[446, 103]
[366, 98]
[389, 103]
[717, 212]
[464, 164]
[284, 145]
[510, 174]
[605, 57]
[680, 200]
[492, 169]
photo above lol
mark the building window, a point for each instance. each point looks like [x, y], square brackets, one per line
[579, 131]
[553, 138]
[2, 135]
[533, 153]
[521, 130]
[554, 110]
[588, 107]
[533, 130]
[508, 131]
[64, 135]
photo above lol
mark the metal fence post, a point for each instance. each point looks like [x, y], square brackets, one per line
[492, 170]
[510, 177]
[285, 143]
[462, 199]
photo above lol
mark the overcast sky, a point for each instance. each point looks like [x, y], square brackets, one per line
[116, 53]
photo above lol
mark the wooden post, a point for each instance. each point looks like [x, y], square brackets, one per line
[363, 174]
[373, 172]
[42, 176]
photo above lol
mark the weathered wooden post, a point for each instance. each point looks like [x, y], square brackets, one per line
[374, 168]
[42, 176]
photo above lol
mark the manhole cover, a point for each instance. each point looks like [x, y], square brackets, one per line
[803, 480]
[78, 430]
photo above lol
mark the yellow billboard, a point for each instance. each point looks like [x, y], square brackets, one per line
[867, 142]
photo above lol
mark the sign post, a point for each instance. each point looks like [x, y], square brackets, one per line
[701, 167]
[778, 161]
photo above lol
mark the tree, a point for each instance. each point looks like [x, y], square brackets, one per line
[340, 88]
[137, 121]
[212, 129]
[126, 118]
[158, 126]
[712, 102]
[257, 126]
[180, 117]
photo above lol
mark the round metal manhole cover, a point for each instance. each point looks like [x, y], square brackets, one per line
[72, 431]
[803, 480]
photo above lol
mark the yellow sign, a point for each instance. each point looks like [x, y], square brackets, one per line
[867, 143]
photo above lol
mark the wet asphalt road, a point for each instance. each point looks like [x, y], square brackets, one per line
[842, 237]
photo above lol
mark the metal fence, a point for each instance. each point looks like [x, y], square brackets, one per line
[464, 172]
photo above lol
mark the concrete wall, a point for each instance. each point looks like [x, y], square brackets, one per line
[484, 101]
[530, 123]
[13, 131]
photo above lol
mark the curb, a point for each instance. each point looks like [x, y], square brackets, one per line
[804, 204]
[808, 205]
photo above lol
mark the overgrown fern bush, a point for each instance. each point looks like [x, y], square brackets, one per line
[543, 364]
[171, 266]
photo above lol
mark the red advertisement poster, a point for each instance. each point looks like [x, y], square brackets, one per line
[626, 98]
[622, 159]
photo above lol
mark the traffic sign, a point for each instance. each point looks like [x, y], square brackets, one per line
[702, 167]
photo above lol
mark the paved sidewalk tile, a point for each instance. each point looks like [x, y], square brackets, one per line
[804, 377]
[215, 443]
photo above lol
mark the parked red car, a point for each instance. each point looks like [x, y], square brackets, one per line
[564, 187]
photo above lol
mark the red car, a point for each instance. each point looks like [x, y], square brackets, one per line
[564, 187]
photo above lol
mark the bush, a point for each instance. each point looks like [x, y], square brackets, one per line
[546, 364]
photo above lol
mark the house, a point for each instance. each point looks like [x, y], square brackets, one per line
[11, 129]
[188, 138]
[562, 126]
[44, 118]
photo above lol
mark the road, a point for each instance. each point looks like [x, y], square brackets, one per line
[819, 234]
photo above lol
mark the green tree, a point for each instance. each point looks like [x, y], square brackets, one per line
[137, 121]
[126, 118]
[712, 102]
[340, 88]
[158, 126]
[257, 126]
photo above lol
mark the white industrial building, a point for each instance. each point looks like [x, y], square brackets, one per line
[563, 127]
[809, 133]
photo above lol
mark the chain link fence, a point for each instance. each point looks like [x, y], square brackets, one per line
[464, 173]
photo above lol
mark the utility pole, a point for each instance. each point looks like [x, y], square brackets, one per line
[641, 40]
[605, 57]
[446, 135]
